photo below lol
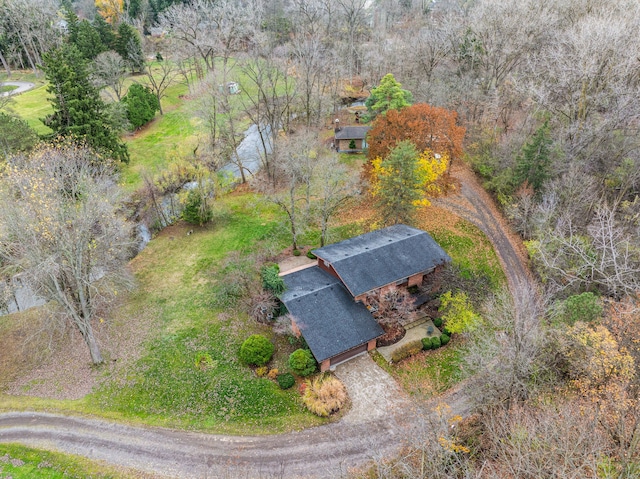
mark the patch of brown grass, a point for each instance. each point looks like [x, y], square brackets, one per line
[434, 218]
[324, 395]
[22, 344]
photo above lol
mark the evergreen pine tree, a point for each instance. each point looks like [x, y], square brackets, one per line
[398, 186]
[72, 23]
[387, 96]
[142, 105]
[78, 110]
[88, 41]
[129, 47]
[106, 32]
[532, 165]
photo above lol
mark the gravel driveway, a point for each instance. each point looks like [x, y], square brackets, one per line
[22, 87]
[376, 426]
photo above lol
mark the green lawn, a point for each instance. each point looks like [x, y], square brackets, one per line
[472, 252]
[166, 387]
[20, 462]
[33, 106]
[428, 373]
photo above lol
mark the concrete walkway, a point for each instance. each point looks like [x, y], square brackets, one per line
[426, 329]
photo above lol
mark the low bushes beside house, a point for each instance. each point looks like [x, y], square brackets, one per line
[256, 350]
[324, 395]
[406, 350]
[302, 362]
[285, 380]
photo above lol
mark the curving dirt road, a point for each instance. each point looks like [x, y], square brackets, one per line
[475, 205]
[381, 418]
[22, 87]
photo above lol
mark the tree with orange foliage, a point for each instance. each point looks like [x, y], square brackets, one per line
[110, 10]
[427, 127]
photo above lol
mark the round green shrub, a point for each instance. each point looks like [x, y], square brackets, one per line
[444, 339]
[426, 343]
[437, 322]
[296, 252]
[446, 331]
[310, 255]
[285, 380]
[435, 342]
[256, 350]
[302, 362]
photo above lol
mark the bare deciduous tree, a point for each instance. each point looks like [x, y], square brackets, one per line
[268, 102]
[334, 187]
[503, 355]
[109, 71]
[61, 229]
[161, 78]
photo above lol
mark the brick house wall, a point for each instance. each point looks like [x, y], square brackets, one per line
[327, 267]
[343, 145]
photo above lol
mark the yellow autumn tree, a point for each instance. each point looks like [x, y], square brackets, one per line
[404, 180]
[110, 10]
[597, 364]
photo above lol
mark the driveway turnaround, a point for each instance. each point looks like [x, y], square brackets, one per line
[22, 87]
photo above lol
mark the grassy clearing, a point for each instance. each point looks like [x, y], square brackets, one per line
[22, 462]
[177, 274]
[7, 88]
[469, 248]
[166, 387]
[33, 106]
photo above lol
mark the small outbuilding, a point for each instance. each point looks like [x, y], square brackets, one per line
[351, 139]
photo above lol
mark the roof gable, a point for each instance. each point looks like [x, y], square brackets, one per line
[326, 314]
[382, 257]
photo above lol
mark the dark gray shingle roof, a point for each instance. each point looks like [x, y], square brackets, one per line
[328, 317]
[352, 132]
[375, 259]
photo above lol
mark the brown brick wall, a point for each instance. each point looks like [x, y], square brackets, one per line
[329, 269]
[415, 280]
[295, 329]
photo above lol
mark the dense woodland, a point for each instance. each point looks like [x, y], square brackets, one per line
[548, 93]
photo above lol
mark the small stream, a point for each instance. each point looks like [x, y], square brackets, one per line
[250, 151]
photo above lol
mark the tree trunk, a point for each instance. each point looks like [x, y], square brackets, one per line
[94, 350]
[5, 64]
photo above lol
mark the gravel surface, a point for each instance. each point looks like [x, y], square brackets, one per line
[22, 87]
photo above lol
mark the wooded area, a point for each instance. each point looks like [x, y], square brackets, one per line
[541, 98]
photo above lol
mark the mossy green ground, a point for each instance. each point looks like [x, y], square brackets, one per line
[20, 462]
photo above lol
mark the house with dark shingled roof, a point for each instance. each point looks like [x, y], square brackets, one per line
[327, 300]
[347, 134]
